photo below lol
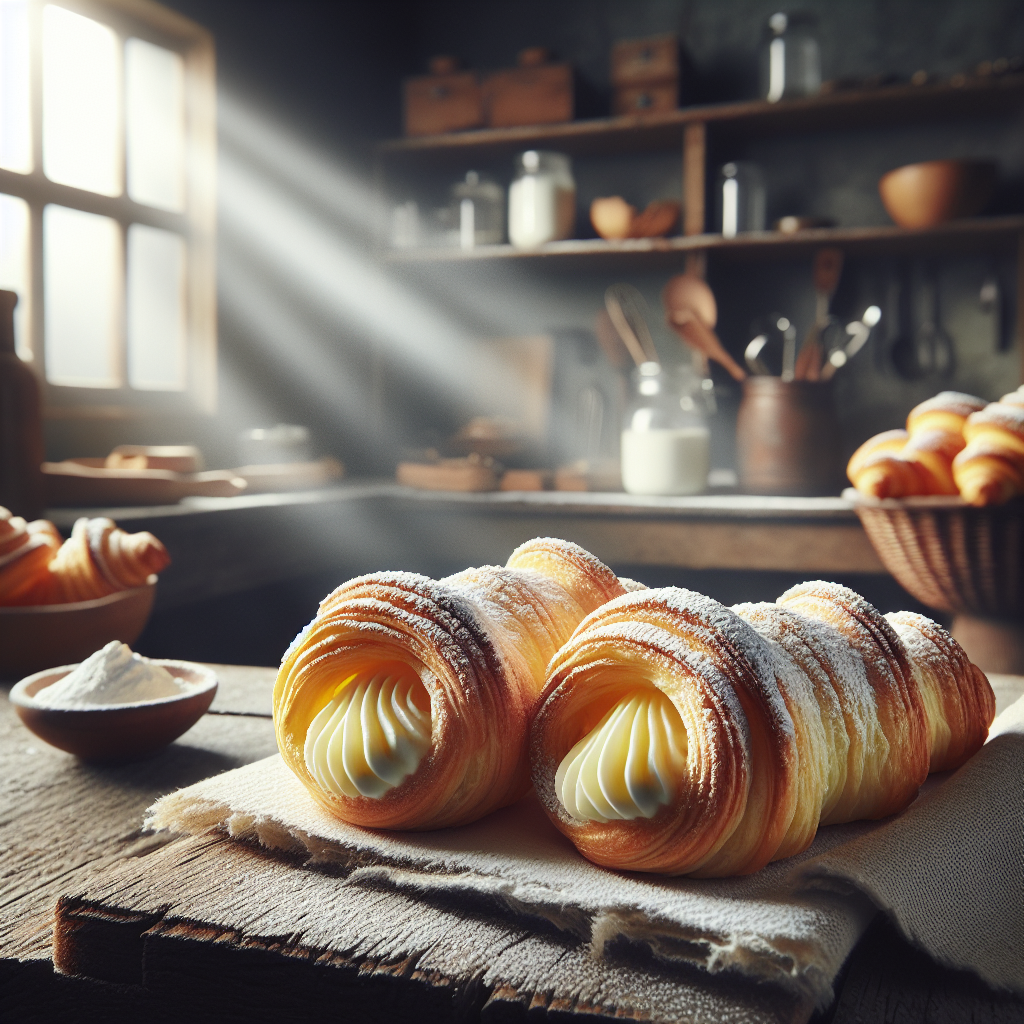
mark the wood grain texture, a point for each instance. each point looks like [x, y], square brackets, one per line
[199, 909]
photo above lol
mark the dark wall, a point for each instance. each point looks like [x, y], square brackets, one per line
[351, 357]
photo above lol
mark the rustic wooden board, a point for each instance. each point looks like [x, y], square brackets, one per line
[199, 909]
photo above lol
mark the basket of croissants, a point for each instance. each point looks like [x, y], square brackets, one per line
[943, 502]
[60, 600]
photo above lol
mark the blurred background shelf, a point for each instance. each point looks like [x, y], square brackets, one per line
[987, 233]
[860, 108]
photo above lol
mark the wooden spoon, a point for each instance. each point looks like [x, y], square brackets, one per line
[692, 312]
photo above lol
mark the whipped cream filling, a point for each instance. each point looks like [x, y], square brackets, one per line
[371, 736]
[629, 765]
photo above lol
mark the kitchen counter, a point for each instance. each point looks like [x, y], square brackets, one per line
[222, 546]
[130, 937]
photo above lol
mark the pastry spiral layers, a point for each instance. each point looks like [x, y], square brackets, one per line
[471, 649]
[990, 469]
[26, 550]
[786, 716]
[100, 558]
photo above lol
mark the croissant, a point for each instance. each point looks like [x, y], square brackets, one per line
[678, 736]
[26, 550]
[99, 558]
[406, 702]
[922, 464]
[990, 469]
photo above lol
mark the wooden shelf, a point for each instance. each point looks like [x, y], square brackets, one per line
[842, 110]
[981, 232]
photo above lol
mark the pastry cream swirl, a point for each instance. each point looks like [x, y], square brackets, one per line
[371, 736]
[628, 765]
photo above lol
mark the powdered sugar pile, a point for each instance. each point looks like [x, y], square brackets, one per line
[113, 675]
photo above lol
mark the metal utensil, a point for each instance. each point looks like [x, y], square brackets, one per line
[935, 347]
[991, 300]
[903, 349]
[752, 356]
[627, 309]
[858, 331]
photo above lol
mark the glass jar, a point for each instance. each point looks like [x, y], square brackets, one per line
[480, 203]
[742, 198]
[541, 199]
[665, 437]
[790, 58]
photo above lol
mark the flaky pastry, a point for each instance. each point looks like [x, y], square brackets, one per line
[26, 550]
[919, 460]
[406, 702]
[99, 558]
[679, 736]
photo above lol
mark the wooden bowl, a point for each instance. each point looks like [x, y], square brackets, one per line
[923, 195]
[116, 732]
[951, 556]
[39, 635]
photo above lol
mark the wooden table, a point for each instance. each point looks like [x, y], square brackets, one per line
[150, 927]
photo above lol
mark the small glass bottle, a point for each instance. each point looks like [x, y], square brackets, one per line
[665, 436]
[790, 58]
[480, 203]
[741, 188]
[541, 200]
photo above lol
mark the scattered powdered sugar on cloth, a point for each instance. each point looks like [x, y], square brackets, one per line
[792, 924]
[113, 675]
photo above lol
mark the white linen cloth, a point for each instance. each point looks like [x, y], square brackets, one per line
[949, 870]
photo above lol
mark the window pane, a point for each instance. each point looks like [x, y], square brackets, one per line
[82, 270]
[15, 147]
[155, 112]
[81, 138]
[14, 265]
[156, 309]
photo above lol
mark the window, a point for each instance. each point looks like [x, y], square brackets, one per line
[107, 214]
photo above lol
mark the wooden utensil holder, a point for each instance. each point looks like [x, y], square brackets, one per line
[787, 438]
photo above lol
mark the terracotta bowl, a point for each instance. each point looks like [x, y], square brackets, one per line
[923, 195]
[36, 636]
[950, 555]
[116, 732]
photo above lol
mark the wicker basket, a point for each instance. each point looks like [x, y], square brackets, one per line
[950, 555]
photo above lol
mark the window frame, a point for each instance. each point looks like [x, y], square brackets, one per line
[196, 223]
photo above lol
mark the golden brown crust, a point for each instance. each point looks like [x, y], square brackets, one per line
[478, 641]
[898, 764]
[946, 411]
[26, 550]
[99, 558]
[737, 800]
[810, 711]
[959, 703]
[990, 470]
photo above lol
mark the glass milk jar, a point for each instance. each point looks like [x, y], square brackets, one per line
[665, 436]
[541, 199]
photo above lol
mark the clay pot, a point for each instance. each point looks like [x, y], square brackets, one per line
[923, 195]
[787, 438]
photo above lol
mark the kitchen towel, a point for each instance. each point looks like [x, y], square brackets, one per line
[948, 870]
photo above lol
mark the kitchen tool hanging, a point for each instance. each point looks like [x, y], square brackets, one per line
[691, 311]
[627, 309]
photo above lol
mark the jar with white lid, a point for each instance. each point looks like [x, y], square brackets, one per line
[541, 199]
[480, 203]
[666, 443]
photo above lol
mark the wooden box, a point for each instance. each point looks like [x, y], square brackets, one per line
[642, 61]
[655, 98]
[645, 75]
[443, 103]
[529, 95]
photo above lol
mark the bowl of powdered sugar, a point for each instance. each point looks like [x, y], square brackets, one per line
[115, 705]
